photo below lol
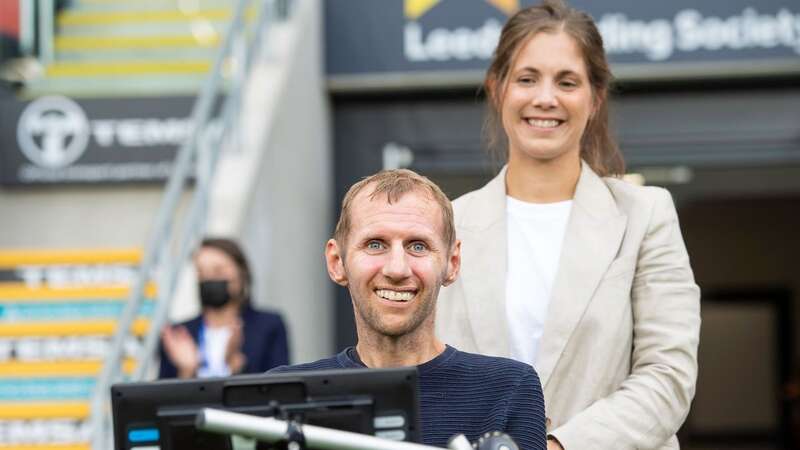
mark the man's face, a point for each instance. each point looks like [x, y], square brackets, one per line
[394, 263]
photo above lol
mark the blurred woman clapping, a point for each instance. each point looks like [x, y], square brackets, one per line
[229, 336]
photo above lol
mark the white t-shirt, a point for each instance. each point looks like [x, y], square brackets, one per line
[535, 237]
[213, 348]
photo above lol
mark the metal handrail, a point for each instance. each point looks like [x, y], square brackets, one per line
[163, 238]
[27, 28]
[47, 9]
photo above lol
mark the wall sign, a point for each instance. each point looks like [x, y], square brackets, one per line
[57, 139]
[366, 40]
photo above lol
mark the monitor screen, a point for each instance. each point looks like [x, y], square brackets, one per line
[161, 414]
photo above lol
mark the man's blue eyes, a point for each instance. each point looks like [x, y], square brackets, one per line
[416, 247]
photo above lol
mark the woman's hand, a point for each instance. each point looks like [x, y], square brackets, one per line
[234, 357]
[181, 350]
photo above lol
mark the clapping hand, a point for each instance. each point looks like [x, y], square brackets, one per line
[234, 357]
[181, 350]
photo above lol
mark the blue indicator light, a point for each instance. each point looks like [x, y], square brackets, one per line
[143, 435]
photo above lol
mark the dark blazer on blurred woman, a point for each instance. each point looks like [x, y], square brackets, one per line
[264, 342]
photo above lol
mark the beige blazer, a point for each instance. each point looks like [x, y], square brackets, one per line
[618, 355]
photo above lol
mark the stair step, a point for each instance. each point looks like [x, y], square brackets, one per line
[127, 68]
[45, 369]
[136, 48]
[166, 55]
[27, 257]
[114, 5]
[44, 410]
[200, 28]
[71, 18]
[27, 389]
[154, 42]
[68, 328]
[144, 85]
[16, 292]
[85, 446]
[34, 311]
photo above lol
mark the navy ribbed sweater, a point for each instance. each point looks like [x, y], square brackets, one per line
[467, 393]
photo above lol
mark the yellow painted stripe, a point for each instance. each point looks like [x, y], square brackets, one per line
[18, 369]
[128, 68]
[22, 257]
[115, 2]
[43, 410]
[19, 291]
[132, 42]
[118, 17]
[74, 328]
[49, 447]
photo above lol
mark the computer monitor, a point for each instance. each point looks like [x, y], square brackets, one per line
[161, 414]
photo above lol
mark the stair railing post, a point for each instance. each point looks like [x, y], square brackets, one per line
[27, 27]
[46, 31]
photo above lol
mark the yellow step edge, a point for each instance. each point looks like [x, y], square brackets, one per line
[128, 68]
[43, 410]
[49, 369]
[20, 291]
[118, 17]
[49, 447]
[67, 43]
[111, 2]
[72, 328]
[22, 257]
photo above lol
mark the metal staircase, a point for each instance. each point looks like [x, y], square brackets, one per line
[58, 311]
[149, 47]
[177, 230]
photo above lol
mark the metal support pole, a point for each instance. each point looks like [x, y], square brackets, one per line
[46, 31]
[27, 28]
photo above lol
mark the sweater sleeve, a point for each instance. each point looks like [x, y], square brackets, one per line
[525, 417]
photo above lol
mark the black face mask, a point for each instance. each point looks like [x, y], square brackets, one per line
[214, 293]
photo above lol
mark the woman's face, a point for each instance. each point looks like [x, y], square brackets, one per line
[547, 100]
[213, 264]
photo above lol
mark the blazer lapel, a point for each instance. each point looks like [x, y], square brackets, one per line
[485, 234]
[592, 239]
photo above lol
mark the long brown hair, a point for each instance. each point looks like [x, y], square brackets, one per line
[598, 148]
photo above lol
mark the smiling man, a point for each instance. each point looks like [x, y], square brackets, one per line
[394, 247]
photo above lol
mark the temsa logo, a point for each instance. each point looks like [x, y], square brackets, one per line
[53, 132]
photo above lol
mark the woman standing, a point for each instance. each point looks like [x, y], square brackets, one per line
[229, 337]
[565, 266]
